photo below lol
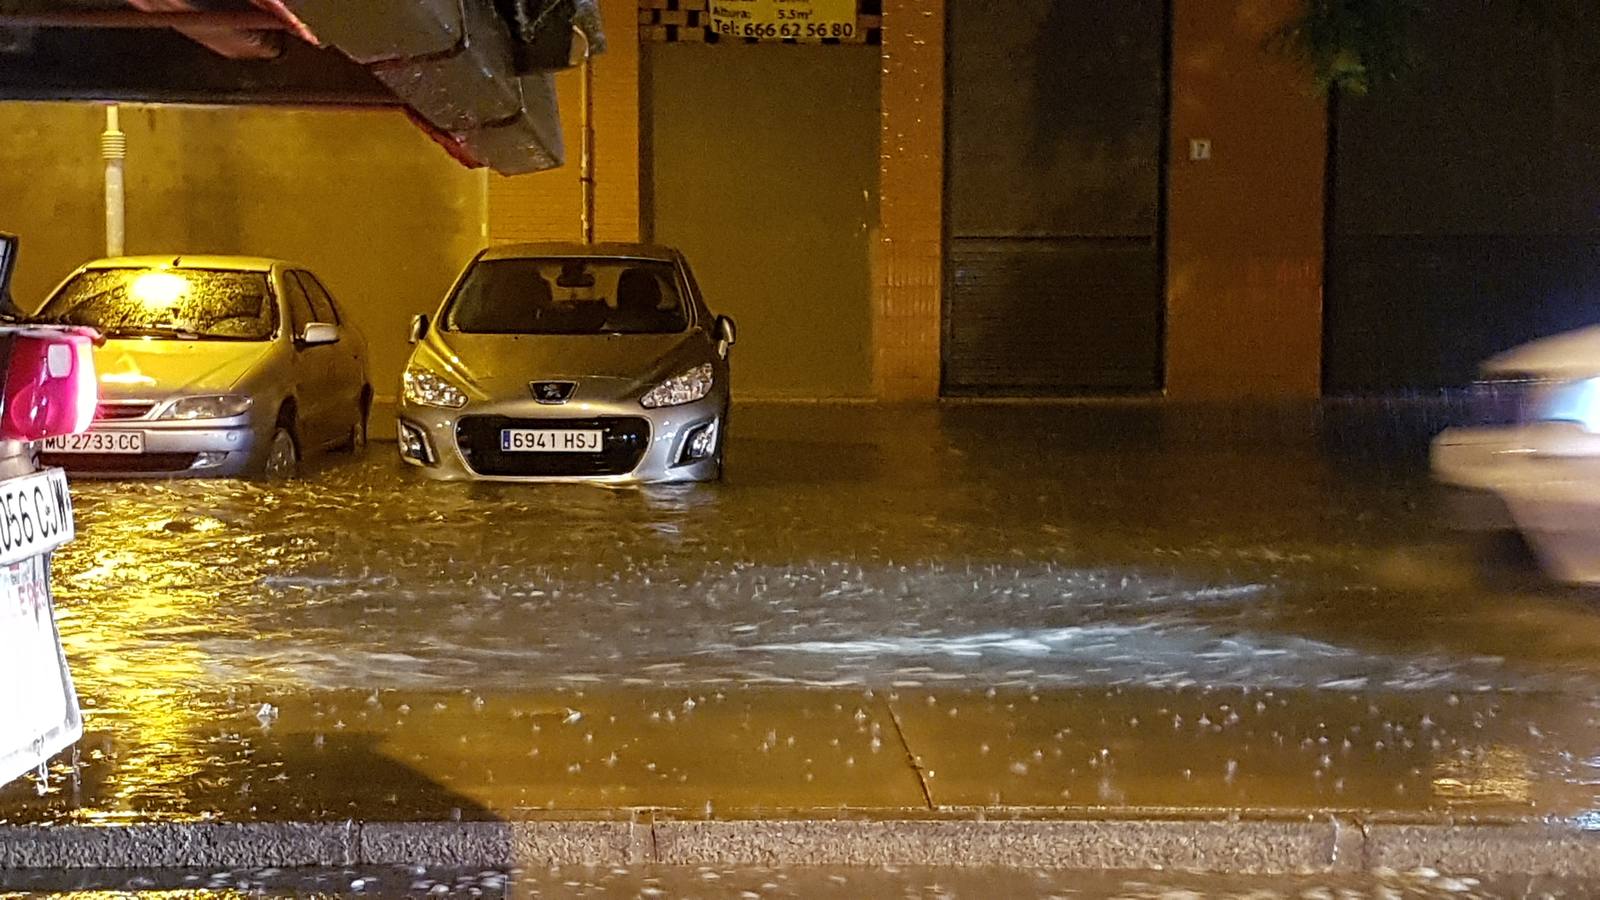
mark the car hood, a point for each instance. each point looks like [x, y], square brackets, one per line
[150, 369]
[1573, 354]
[501, 365]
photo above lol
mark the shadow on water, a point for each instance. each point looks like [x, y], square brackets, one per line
[214, 756]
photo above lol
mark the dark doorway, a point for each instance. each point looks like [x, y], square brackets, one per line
[1053, 196]
[1464, 200]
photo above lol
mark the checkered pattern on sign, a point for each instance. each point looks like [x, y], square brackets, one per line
[689, 21]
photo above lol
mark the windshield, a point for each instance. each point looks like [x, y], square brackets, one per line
[168, 303]
[568, 296]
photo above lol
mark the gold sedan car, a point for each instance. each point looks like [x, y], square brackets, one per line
[212, 366]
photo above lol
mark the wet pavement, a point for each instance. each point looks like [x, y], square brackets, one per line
[1009, 606]
[755, 884]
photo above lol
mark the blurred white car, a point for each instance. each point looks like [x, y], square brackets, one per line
[1531, 459]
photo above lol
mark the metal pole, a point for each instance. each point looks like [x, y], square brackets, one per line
[586, 175]
[114, 148]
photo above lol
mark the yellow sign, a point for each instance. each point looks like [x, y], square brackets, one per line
[782, 20]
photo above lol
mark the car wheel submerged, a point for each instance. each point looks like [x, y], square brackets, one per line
[283, 456]
[356, 443]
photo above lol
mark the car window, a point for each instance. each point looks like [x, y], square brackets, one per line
[694, 288]
[300, 312]
[212, 304]
[569, 295]
[321, 301]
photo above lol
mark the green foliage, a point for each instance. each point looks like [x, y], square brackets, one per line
[1352, 45]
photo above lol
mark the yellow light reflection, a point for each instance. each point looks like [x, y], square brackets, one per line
[1487, 775]
[158, 290]
[127, 373]
[145, 697]
[126, 378]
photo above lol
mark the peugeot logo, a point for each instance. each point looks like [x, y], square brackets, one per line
[552, 392]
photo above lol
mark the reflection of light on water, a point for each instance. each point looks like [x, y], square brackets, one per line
[1495, 774]
[144, 696]
[1587, 821]
[142, 700]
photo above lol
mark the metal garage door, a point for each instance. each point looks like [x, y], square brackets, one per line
[1464, 202]
[763, 168]
[1054, 196]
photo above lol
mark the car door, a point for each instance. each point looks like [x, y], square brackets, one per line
[312, 369]
[348, 374]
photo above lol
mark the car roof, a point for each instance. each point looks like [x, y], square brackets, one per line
[184, 261]
[614, 250]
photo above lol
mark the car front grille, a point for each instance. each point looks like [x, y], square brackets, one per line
[626, 440]
[132, 464]
[117, 411]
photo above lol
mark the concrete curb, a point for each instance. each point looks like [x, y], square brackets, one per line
[1251, 846]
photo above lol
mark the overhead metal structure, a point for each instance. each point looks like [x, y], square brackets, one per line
[476, 74]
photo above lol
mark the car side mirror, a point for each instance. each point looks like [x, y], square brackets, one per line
[319, 333]
[419, 328]
[726, 332]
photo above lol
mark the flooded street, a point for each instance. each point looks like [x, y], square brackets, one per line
[1116, 545]
[1091, 607]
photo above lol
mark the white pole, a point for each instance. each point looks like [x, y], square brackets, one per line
[114, 148]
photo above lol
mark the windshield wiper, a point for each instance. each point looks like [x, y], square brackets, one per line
[173, 331]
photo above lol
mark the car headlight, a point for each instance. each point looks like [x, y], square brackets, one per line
[1573, 401]
[429, 389]
[218, 406]
[692, 385]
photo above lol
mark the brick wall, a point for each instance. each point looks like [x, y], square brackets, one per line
[907, 258]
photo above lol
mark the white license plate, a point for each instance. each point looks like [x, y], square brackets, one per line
[116, 442]
[535, 440]
[35, 515]
[38, 706]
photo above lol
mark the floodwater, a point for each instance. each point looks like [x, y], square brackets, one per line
[980, 545]
[976, 606]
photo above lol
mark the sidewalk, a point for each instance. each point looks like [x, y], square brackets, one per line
[1218, 780]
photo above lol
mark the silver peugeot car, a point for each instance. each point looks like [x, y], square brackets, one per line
[212, 366]
[560, 362]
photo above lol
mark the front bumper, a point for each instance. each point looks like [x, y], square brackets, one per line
[1541, 479]
[1497, 459]
[221, 449]
[642, 446]
[1470, 465]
